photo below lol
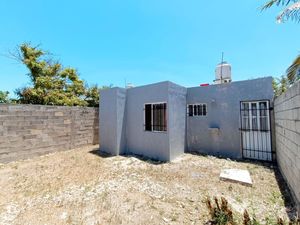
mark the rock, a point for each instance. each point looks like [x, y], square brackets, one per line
[64, 215]
[166, 220]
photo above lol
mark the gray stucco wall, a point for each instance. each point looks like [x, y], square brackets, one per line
[287, 120]
[122, 118]
[177, 119]
[223, 112]
[151, 144]
[112, 124]
[122, 121]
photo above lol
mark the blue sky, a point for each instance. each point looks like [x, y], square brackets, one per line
[145, 41]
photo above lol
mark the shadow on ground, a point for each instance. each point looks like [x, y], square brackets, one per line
[286, 193]
[284, 189]
[97, 152]
[101, 154]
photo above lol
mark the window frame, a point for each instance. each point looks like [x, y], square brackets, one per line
[258, 115]
[196, 104]
[152, 116]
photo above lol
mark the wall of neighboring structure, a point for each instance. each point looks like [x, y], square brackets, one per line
[31, 130]
[218, 132]
[287, 122]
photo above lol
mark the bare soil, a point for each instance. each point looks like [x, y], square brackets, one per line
[81, 186]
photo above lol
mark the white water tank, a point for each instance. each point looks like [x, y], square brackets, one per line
[129, 85]
[223, 73]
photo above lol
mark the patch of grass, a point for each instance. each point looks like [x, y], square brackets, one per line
[276, 197]
[238, 199]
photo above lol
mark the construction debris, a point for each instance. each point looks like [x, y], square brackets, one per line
[236, 175]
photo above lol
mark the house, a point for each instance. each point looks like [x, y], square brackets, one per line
[163, 120]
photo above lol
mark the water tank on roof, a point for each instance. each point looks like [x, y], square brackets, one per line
[223, 73]
[129, 85]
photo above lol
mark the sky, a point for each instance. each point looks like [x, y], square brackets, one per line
[146, 41]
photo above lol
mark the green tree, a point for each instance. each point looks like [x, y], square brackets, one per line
[4, 97]
[51, 83]
[291, 11]
[92, 95]
[280, 85]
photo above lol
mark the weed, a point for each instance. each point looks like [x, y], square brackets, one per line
[221, 214]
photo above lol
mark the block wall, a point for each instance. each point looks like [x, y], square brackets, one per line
[31, 130]
[287, 131]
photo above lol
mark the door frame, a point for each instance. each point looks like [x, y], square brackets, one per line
[269, 109]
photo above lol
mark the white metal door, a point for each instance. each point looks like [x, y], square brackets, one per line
[256, 130]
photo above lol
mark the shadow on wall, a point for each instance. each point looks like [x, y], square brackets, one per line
[96, 128]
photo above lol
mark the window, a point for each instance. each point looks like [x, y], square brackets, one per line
[155, 117]
[245, 116]
[255, 116]
[264, 126]
[197, 110]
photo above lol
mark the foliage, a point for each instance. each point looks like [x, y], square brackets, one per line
[291, 10]
[293, 72]
[92, 95]
[4, 97]
[52, 84]
[280, 85]
[221, 214]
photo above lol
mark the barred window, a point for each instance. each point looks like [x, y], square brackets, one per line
[155, 117]
[197, 109]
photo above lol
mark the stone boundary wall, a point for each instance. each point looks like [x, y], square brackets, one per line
[287, 131]
[32, 130]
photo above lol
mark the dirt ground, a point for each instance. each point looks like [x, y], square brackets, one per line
[82, 187]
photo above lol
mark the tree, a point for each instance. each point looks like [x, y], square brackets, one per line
[4, 97]
[51, 83]
[92, 95]
[280, 85]
[291, 11]
[293, 71]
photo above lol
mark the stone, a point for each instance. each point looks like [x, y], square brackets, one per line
[236, 175]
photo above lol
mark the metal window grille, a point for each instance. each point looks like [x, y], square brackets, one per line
[156, 117]
[197, 110]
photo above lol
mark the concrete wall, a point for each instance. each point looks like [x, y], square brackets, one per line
[287, 122]
[177, 119]
[122, 121]
[112, 124]
[151, 144]
[218, 132]
[31, 130]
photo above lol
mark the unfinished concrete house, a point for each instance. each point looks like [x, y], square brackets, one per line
[163, 120]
